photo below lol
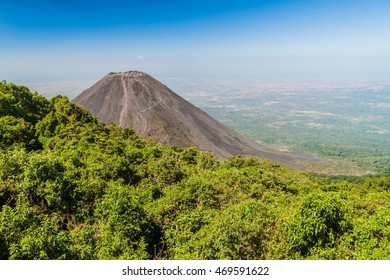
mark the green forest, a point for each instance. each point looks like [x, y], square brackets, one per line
[74, 188]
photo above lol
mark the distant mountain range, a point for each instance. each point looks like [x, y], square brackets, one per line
[136, 100]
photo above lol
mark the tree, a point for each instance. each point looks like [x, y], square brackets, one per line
[124, 229]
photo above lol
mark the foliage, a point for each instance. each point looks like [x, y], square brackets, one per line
[125, 230]
[74, 188]
[319, 221]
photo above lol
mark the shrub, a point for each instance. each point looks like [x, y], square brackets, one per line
[319, 221]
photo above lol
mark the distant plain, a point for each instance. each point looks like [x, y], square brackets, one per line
[347, 121]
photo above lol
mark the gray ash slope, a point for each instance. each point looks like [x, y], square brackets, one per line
[136, 100]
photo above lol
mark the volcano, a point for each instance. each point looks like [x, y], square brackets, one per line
[136, 100]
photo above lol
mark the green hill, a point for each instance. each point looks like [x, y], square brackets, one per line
[74, 188]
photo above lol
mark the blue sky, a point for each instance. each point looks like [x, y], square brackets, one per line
[48, 40]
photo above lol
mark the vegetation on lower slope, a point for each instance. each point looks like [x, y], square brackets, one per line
[73, 188]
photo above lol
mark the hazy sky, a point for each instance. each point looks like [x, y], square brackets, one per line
[62, 40]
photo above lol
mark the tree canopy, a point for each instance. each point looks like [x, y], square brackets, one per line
[74, 188]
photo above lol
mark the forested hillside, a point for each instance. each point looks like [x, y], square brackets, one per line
[74, 188]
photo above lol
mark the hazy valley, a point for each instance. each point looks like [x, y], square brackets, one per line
[348, 121]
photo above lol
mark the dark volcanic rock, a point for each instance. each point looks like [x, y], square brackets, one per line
[138, 101]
